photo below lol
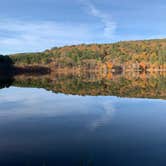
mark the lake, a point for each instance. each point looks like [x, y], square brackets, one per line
[83, 121]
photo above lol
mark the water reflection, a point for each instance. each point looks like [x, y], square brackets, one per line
[42, 123]
[42, 128]
[140, 85]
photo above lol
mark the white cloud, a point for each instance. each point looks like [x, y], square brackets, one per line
[109, 26]
[22, 36]
[31, 36]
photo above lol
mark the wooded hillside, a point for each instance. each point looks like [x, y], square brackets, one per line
[145, 54]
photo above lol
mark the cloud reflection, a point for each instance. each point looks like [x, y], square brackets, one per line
[22, 103]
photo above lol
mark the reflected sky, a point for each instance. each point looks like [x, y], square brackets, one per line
[27, 102]
[39, 127]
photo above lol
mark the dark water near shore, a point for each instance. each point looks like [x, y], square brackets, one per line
[42, 128]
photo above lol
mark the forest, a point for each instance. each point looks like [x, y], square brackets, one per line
[91, 67]
[128, 55]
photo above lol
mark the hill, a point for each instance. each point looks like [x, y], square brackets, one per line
[129, 55]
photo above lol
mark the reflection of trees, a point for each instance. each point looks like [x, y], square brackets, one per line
[135, 84]
[5, 82]
[151, 86]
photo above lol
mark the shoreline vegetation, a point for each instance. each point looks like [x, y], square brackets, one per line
[124, 69]
[135, 56]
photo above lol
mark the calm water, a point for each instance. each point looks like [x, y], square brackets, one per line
[41, 128]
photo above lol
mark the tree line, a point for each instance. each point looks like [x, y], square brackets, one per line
[148, 52]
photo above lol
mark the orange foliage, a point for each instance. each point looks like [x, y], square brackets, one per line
[143, 65]
[109, 65]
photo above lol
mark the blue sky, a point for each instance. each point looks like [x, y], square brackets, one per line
[35, 25]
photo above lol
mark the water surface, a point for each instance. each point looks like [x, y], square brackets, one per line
[38, 127]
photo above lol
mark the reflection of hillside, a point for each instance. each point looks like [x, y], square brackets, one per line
[127, 85]
[5, 82]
